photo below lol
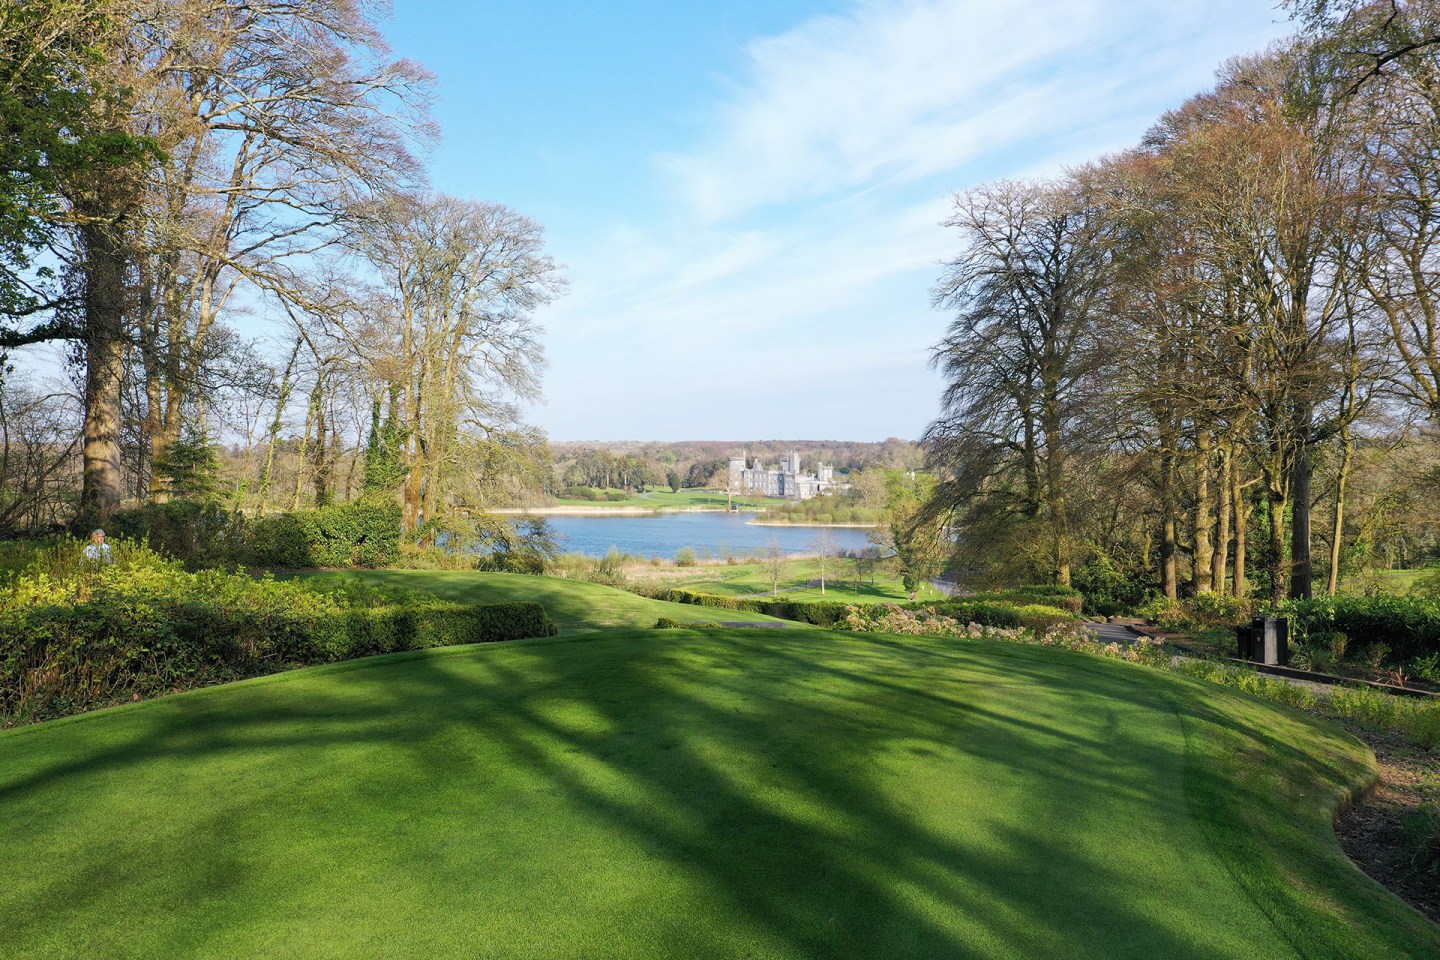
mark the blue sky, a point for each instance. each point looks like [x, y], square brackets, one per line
[747, 195]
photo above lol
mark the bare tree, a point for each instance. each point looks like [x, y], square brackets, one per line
[450, 327]
[1028, 289]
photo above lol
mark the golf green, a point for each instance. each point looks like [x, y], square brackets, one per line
[739, 793]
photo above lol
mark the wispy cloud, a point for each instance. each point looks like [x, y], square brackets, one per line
[804, 233]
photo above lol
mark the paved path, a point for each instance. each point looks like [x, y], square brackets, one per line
[1112, 632]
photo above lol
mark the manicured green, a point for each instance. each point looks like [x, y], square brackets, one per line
[743, 579]
[572, 604]
[776, 794]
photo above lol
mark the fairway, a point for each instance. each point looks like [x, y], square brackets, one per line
[572, 604]
[742, 793]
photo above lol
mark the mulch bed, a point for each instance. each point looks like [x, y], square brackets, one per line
[1380, 831]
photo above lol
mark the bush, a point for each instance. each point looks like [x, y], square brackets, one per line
[1048, 595]
[1001, 613]
[821, 613]
[142, 626]
[1408, 626]
[200, 534]
[1218, 610]
[360, 533]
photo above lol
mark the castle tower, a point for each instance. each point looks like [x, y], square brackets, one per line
[737, 473]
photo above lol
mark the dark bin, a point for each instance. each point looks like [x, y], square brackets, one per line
[1245, 643]
[1270, 640]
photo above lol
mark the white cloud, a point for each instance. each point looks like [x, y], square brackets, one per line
[908, 88]
[797, 261]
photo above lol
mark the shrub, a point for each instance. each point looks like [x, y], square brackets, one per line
[143, 626]
[1218, 610]
[822, 613]
[685, 557]
[1048, 595]
[364, 532]
[197, 533]
[1167, 614]
[1409, 626]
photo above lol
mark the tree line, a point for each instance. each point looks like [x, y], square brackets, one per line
[1182, 365]
[170, 168]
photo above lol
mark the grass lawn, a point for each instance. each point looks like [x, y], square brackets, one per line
[572, 604]
[1397, 582]
[743, 579]
[741, 793]
[660, 499]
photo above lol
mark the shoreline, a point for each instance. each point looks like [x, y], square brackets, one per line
[601, 511]
[840, 526]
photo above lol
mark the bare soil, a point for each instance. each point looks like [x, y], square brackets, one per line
[1383, 831]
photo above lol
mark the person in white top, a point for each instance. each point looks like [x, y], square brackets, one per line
[97, 550]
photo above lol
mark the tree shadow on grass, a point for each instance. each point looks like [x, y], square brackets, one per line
[800, 795]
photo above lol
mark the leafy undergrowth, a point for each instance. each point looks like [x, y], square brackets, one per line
[781, 793]
[77, 634]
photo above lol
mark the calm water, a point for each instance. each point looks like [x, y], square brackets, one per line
[709, 534]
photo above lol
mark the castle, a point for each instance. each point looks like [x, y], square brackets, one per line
[785, 480]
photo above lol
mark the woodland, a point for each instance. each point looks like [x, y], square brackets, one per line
[1210, 363]
[170, 172]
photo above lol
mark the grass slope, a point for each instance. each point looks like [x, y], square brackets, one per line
[784, 794]
[745, 579]
[572, 604]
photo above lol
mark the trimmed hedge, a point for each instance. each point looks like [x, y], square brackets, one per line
[993, 613]
[1409, 626]
[143, 626]
[830, 613]
[822, 613]
[361, 533]
[1062, 598]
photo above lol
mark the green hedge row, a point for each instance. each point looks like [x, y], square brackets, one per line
[998, 613]
[829, 613]
[1409, 626]
[822, 613]
[360, 533]
[1062, 598]
[142, 627]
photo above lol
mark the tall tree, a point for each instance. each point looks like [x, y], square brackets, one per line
[1027, 289]
[449, 329]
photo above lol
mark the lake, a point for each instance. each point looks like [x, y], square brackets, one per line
[713, 534]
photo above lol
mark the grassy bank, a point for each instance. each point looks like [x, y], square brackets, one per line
[671, 793]
[572, 604]
[744, 579]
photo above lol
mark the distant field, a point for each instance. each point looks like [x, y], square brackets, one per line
[661, 499]
[748, 578]
[1391, 581]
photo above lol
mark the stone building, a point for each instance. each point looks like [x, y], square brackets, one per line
[784, 480]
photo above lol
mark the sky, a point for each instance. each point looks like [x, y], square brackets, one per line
[748, 195]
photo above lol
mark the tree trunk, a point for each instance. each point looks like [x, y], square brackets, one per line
[1204, 521]
[1239, 587]
[105, 263]
[1222, 512]
[1301, 565]
[1278, 566]
[1338, 529]
[319, 456]
[1169, 574]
